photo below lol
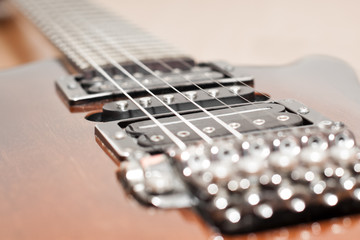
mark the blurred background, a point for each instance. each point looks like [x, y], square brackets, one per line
[246, 32]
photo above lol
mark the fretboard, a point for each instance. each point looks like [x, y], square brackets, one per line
[82, 30]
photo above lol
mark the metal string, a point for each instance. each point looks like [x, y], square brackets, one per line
[127, 73]
[135, 60]
[123, 51]
[98, 68]
[221, 122]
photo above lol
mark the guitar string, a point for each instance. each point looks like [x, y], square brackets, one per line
[95, 47]
[107, 38]
[98, 68]
[124, 51]
[193, 127]
[142, 65]
[124, 71]
[221, 122]
[139, 63]
[184, 63]
[230, 129]
[145, 67]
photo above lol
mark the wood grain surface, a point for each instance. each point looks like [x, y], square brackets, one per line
[57, 183]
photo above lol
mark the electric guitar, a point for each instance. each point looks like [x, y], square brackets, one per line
[199, 152]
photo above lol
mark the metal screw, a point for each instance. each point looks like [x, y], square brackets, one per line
[209, 129]
[234, 125]
[191, 94]
[214, 92]
[283, 118]
[183, 133]
[145, 101]
[120, 135]
[235, 89]
[303, 110]
[71, 85]
[168, 98]
[259, 121]
[122, 105]
[157, 138]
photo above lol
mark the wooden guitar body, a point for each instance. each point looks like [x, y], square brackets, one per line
[57, 183]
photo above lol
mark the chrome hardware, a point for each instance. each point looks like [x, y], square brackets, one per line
[209, 129]
[286, 168]
[259, 122]
[157, 138]
[122, 105]
[235, 89]
[234, 125]
[303, 110]
[191, 95]
[213, 92]
[183, 133]
[145, 101]
[168, 98]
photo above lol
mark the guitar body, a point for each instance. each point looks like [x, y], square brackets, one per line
[57, 183]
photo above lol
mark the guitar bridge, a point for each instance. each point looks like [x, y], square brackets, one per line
[277, 174]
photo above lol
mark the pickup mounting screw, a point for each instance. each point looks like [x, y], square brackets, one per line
[303, 110]
[157, 138]
[191, 94]
[122, 105]
[168, 98]
[71, 85]
[120, 135]
[145, 101]
[235, 89]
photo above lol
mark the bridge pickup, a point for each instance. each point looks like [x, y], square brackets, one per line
[251, 117]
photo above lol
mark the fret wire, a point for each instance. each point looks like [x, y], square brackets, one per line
[92, 62]
[98, 68]
[149, 51]
[215, 118]
[219, 83]
[221, 122]
[142, 38]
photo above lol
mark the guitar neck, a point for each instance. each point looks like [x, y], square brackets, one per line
[83, 31]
